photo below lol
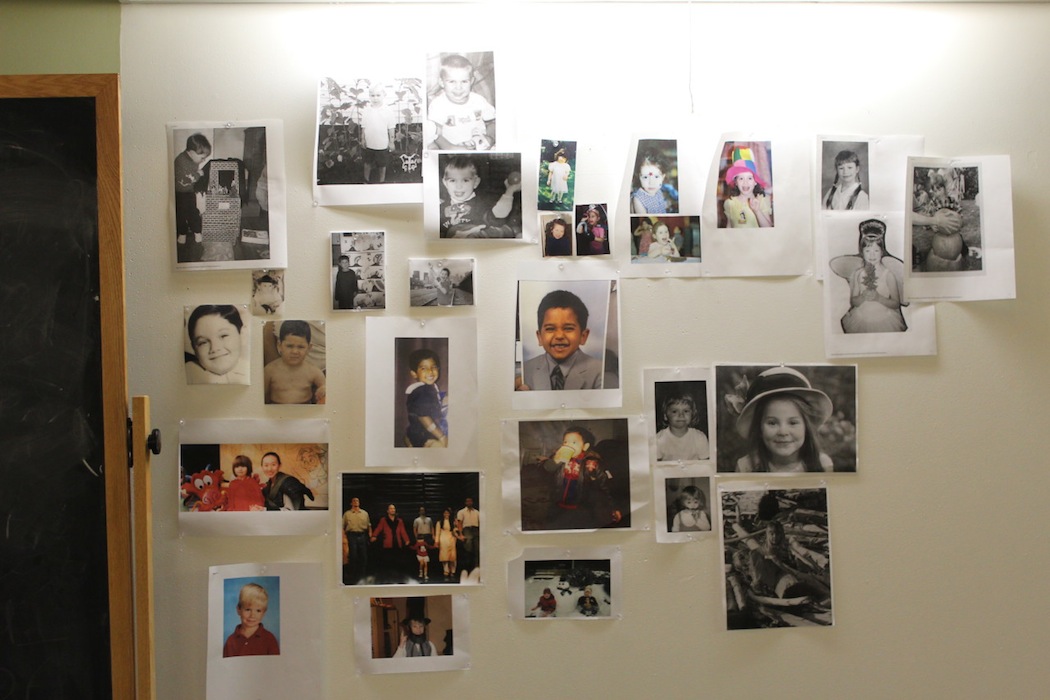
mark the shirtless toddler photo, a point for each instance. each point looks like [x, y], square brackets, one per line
[293, 378]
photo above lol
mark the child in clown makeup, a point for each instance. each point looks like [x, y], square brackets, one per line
[652, 193]
[747, 205]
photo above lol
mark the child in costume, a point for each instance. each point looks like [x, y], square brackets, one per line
[747, 205]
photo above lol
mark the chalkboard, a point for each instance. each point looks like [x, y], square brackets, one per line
[65, 573]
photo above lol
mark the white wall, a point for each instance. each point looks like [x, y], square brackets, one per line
[940, 558]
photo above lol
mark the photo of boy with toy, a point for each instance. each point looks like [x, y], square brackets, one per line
[574, 475]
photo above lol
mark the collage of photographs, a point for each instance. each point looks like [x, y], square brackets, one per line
[722, 453]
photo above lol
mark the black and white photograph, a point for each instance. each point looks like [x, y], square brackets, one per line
[294, 362]
[574, 474]
[412, 634]
[777, 554]
[959, 229]
[421, 392]
[776, 419]
[358, 270]
[441, 281]
[866, 312]
[461, 101]
[654, 183]
[680, 419]
[263, 630]
[228, 187]
[369, 132]
[253, 477]
[557, 178]
[267, 292]
[844, 181]
[411, 528]
[215, 344]
[946, 219]
[473, 195]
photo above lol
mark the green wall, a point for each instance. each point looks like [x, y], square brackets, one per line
[59, 36]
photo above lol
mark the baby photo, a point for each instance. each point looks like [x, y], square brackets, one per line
[844, 183]
[420, 372]
[267, 292]
[592, 229]
[946, 219]
[358, 273]
[294, 362]
[479, 195]
[441, 281]
[687, 504]
[777, 555]
[568, 588]
[215, 344]
[745, 185]
[411, 528]
[369, 131]
[786, 420]
[568, 336]
[557, 181]
[556, 240]
[461, 98]
[253, 477]
[222, 195]
[574, 475]
[663, 239]
[247, 602]
[654, 183]
[681, 421]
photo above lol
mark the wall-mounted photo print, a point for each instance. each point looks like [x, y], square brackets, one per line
[777, 553]
[557, 181]
[267, 292]
[264, 630]
[592, 229]
[421, 377]
[294, 362]
[745, 185]
[569, 474]
[263, 477]
[866, 311]
[358, 270]
[662, 239]
[557, 237]
[844, 182]
[410, 634]
[959, 228]
[584, 583]
[441, 281]
[215, 344]
[567, 352]
[683, 502]
[473, 195]
[369, 141]
[419, 528]
[461, 99]
[229, 196]
[654, 185]
[679, 414]
[786, 420]
[421, 389]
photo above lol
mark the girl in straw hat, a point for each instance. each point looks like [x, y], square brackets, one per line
[780, 422]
